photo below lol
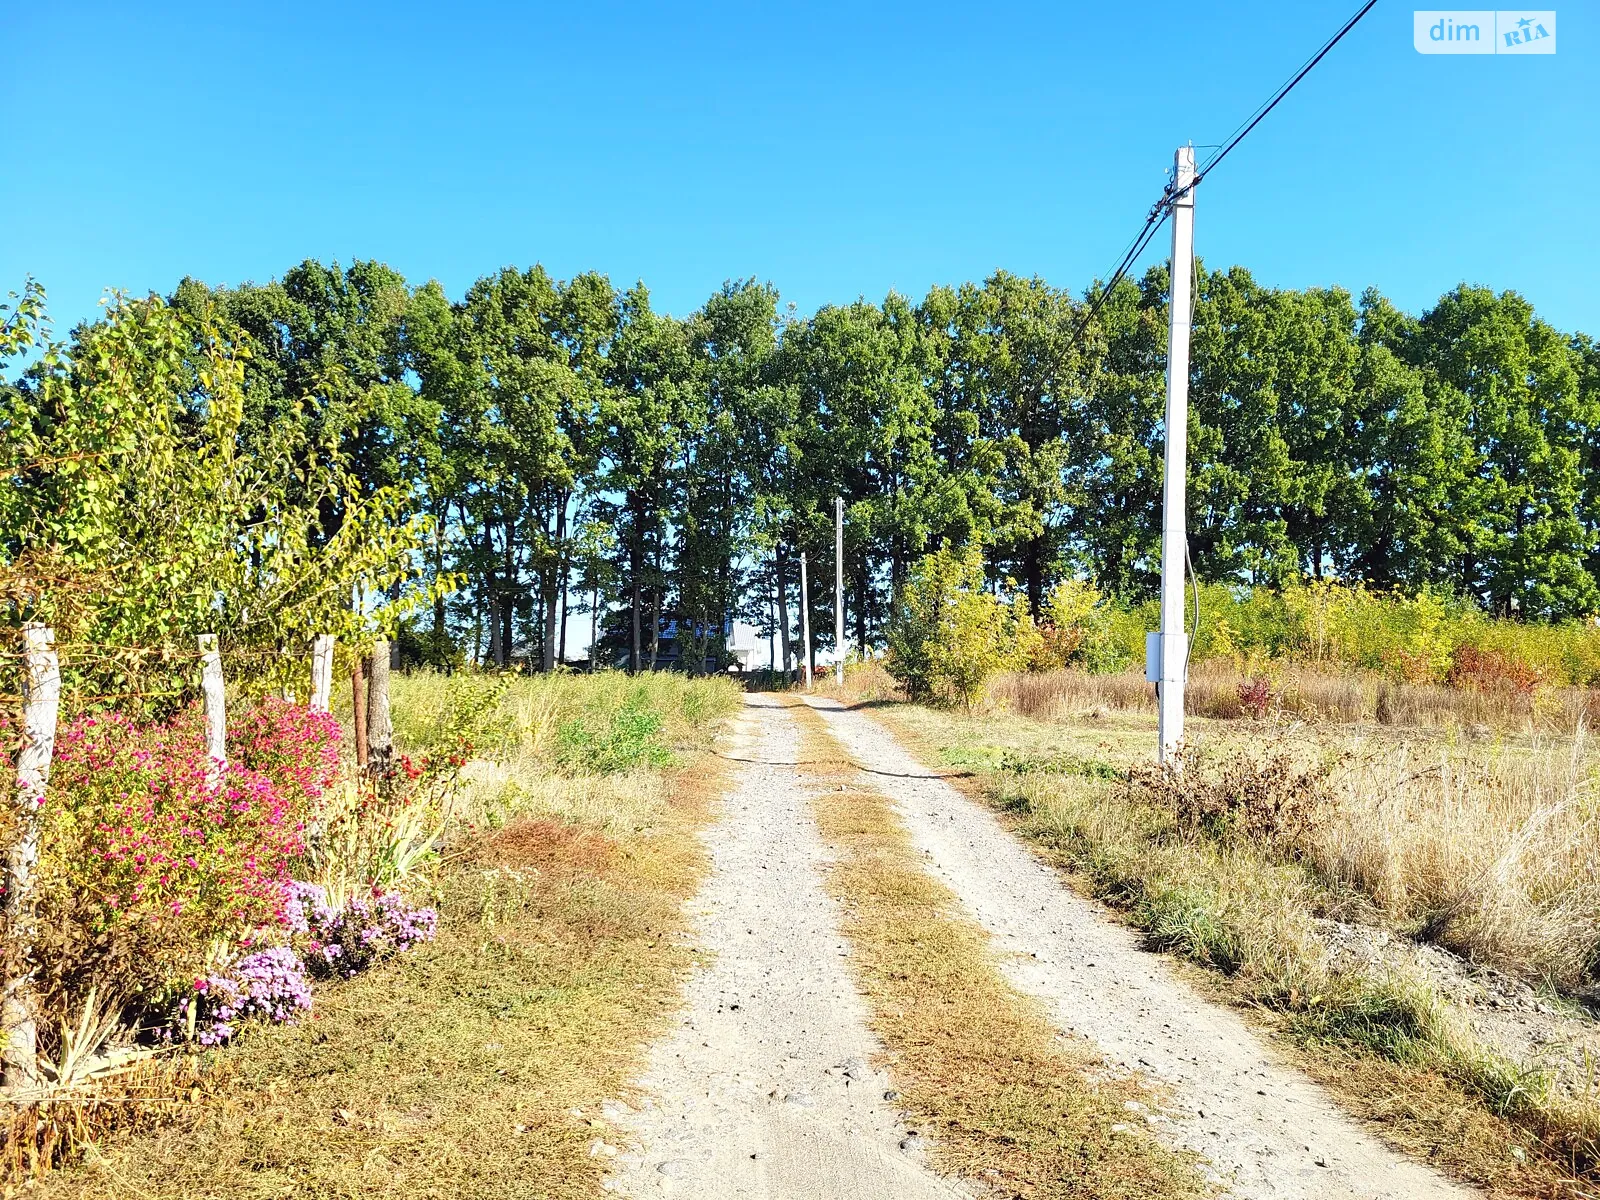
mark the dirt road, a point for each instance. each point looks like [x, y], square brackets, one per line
[768, 1089]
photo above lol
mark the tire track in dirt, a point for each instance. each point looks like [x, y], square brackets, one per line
[767, 1087]
[1269, 1132]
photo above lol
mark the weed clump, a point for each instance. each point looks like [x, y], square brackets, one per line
[626, 738]
[1277, 798]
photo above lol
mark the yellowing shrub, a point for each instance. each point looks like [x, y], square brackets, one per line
[950, 634]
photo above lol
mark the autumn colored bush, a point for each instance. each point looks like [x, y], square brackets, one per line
[950, 634]
[1491, 671]
[1255, 696]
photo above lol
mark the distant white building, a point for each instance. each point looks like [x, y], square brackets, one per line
[755, 651]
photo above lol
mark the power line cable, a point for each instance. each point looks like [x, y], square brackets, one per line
[1171, 193]
[1261, 113]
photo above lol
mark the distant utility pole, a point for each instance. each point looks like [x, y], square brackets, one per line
[838, 588]
[1174, 656]
[805, 625]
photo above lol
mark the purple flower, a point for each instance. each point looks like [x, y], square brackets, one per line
[368, 929]
[269, 984]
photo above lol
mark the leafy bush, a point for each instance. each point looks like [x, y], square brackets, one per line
[1076, 630]
[950, 634]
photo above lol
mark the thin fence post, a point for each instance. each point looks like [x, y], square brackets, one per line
[41, 699]
[358, 710]
[213, 699]
[380, 728]
[321, 672]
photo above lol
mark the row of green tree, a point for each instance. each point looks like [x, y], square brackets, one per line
[586, 458]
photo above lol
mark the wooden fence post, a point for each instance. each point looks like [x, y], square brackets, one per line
[380, 728]
[358, 711]
[213, 700]
[321, 672]
[41, 698]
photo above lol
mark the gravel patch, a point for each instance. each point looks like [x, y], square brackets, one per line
[1500, 1011]
[1267, 1130]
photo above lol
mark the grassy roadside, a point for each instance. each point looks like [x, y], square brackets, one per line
[1005, 1099]
[1382, 1043]
[474, 1065]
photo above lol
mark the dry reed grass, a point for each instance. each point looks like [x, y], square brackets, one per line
[1492, 852]
[1214, 690]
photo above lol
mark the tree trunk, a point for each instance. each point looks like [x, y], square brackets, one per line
[1034, 568]
[566, 581]
[635, 570]
[438, 570]
[655, 610]
[508, 600]
[780, 569]
[863, 583]
[655, 625]
[555, 584]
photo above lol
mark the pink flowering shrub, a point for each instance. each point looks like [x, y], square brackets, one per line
[145, 867]
[288, 743]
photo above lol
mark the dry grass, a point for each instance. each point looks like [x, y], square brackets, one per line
[1245, 907]
[1493, 852]
[1006, 1100]
[1214, 691]
[474, 1065]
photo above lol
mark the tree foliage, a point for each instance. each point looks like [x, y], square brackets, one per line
[572, 455]
[141, 507]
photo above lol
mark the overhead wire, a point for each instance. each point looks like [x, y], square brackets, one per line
[1261, 113]
[1162, 208]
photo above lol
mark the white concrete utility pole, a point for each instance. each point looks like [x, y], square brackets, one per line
[1174, 659]
[838, 588]
[805, 624]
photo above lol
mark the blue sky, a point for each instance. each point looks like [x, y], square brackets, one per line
[836, 150]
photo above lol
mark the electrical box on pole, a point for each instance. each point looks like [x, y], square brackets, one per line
[838, 588]
[1173, 658]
